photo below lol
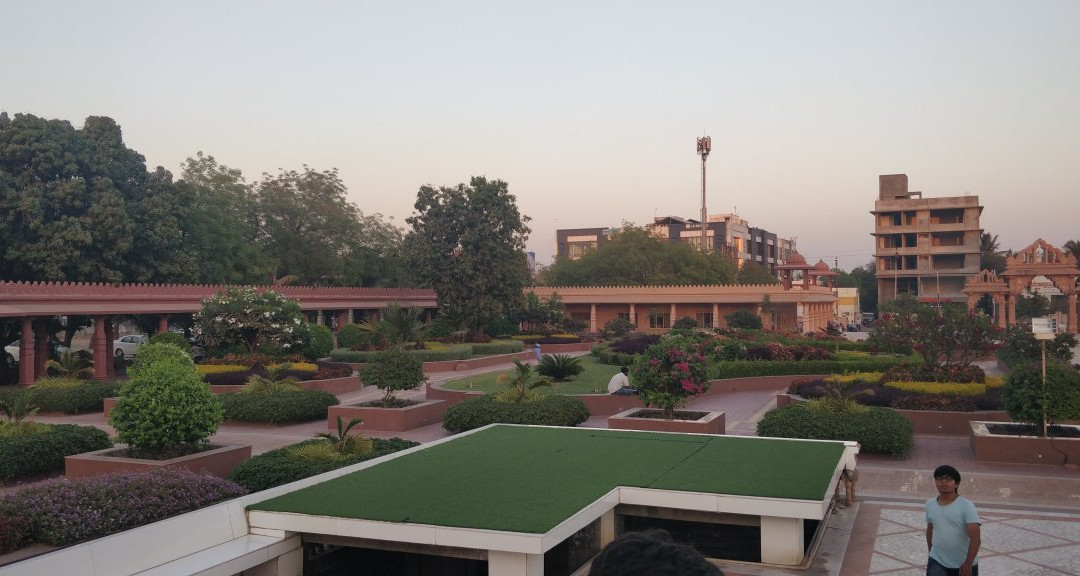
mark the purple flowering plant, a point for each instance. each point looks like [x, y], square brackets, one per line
[670, 372]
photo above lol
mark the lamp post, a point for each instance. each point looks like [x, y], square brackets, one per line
[1043, 331]
[704, 146]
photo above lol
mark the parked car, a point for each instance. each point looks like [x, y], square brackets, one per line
[11, 352]
[127, 346]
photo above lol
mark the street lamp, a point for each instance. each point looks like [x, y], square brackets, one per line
[704, 146]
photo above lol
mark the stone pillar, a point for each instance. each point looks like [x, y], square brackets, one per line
[41, 348]
[26, 353]
[319, 317]
[514, 564]
[715, 315]
[674, 315]
[1012, 310]
[781, 540]
[162, 323]
[342, 319]
[101, 349]
[1073, 324]
[633, 315]
[999, 310]
[592, 317]
[110, 335]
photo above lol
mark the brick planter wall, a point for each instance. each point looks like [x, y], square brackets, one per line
[927, 422]
[1022, 449]
[219, 461]
[389, 419]
[712, 423]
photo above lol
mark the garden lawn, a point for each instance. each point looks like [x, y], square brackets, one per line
[593, 380]
[530, 479]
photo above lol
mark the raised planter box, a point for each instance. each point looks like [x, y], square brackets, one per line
[711, 423]
[219, 461]
[341, 385]
[485, 361]
[1022, 449]
[389, 419]
[939, 423]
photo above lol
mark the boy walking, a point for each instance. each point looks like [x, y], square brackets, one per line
[952, 528]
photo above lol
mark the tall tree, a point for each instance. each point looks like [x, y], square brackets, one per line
[992, 258]
[1073, 247]
[754, 273]
[468, 243]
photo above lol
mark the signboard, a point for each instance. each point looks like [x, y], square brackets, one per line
[1043, 328]
[1044, 286]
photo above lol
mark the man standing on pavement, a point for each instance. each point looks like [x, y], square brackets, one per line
[952, 528]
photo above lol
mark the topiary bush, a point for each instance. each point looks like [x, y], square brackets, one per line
[392, 370]
[877, 430]
[69, 396]
[165, 404]
[350, 335]
[282, 466]
[155, 352]
[173, 338]
[64, 512]
[319, 343]
[41, 450]
[634, 343]
[554, 410]
[279, 407]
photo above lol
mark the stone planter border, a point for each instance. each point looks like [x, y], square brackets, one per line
[389, 419]
[218, 461]
[927, 422]
[1022, 449]
[712, 423]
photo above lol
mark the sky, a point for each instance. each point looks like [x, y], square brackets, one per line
[590, 110]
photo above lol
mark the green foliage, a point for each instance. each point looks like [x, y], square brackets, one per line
[165, 405]
[750, 368]
[559, 367]
[173, 338]
[282, 466]
[392, 370]
[755, 273]
[345, 444]
[68, 396]
[319, 343]
[497, 347]
[242, 314]
[459, 352]
[537, 315]
[274, 381]
[15, 532]
[1020, 346]
[684, 323]
[155, 352]
[71, 365]
[42, 451]
[839, 396]
[468, 243]
[554, 410]
[1027, 400]
[618, 327]
[743, 320]
[877, 430]
[278, 407]
[944, 337]
[670, 372]
[349, 336]
[520, 382]
[18, 407]
[1034, 306]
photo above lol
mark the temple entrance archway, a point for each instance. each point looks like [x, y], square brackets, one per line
[1041, 262]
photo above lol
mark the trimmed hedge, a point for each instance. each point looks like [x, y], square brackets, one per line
[748, 368]
[279, 407]
[554, 410]
[86, 396]
[497, 347]
[278, 467]
[878, 430]
[43, 451]
[15, 532]
[611, 357]
[459, 352]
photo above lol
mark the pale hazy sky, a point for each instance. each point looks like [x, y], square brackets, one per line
[590, 109]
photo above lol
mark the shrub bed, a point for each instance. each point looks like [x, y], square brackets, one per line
[42, 450]
[68, 395]
[63, 512]
[750, 368]
[935, 397]
[613, 358]
[531, 339]
[15, 532]
[497, 347]
[279, 407]
[457, 352]
[278, 467]
[238, 374]
[555, 410]
[878, 430]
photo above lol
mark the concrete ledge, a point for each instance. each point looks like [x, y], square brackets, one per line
[389, 419]
[1022, 449]
[711, 423]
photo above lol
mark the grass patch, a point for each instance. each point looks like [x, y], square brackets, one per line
[593, 380]
[525, 479]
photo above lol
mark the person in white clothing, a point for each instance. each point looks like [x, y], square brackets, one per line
[620, 383]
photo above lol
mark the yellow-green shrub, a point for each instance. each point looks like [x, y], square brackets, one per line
[220, 368]
[298, 366]
[995, 382]
[941, 388]
[849, 377]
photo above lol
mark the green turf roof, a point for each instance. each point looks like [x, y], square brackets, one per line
[524, 479]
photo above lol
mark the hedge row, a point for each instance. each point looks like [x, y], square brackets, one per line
[878, 430]
[279, 407]
[609, 356]
[750, 368]
[498, 347]
[85, 396]
[231, 376]
[554, 410]
[459, 352]
[43, 451]
[278, 467]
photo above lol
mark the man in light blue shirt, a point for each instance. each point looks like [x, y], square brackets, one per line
[952, 528]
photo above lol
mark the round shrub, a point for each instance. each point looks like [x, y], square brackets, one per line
[173, 338]
[43, 450]
[350, 335]
[555, 410]
[166, 404]
[634, 343]
[279, 407]
[393, 369]
[155, 352]
[319, 343]
[877, 430]
[281, 466]
[1024, 394]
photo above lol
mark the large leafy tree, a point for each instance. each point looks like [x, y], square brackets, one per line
[865, 279]
[468, 243]
[633, 256]
[1073, 247]
[243, 315]
[754, 273]
[945, 337]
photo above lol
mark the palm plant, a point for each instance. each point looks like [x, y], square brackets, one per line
[559, 367]
[521, 382]
[71, 365]
[273, 382]
[345, 443]
[396, 326]
[839, 397]
[18, 408]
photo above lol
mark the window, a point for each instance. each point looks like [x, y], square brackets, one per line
[705, 319]
[659, 320]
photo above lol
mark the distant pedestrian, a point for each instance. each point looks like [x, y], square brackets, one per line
[620, 383]
[952, 528]
[536, 348]
[650, 553]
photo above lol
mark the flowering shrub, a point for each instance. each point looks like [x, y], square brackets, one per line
[14, 533]
[64, 512]
[671, 371]
[241, 314]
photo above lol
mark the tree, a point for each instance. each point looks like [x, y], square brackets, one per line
[865, 279]
[393, 369]
[670, 372]
[240, 314]
[743, 319]
[1073, 247]
[1027, 398]
[1034, 306]
[754, 273]
[992, 258]
[468, 244]
[949, 338]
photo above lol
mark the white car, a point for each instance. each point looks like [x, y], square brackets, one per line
[127, 346]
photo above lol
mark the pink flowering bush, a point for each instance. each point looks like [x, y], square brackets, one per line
[63, 512]
[671, 371]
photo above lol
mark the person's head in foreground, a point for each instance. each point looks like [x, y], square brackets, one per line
[650, 553]
[942, 477]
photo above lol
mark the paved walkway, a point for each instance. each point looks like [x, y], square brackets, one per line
[1030, 512]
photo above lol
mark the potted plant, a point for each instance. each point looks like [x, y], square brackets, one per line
[165, 414]
[392, 370]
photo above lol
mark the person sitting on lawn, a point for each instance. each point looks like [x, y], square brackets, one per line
[620, 383]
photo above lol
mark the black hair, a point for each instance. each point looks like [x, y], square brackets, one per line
[650, 553]
[624, 369]
[946, 471]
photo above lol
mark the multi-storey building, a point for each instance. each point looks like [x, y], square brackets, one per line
[926, 247]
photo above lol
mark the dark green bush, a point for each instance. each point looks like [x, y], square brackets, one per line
[878, 430]
[319, 343]
[555, 410]
[350, 335]
[15, 532]
[634, 343]
[497, 347]
[1024, 393]
[459, 352]
[559, 367]
[279, 407]
[277, 467]
[43, 451]
[165, 404]
[173, 338]
[608, 356]
[86, 396]
[748, 368]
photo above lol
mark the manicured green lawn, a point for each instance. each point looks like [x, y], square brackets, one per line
[529, 479]
[593, 380]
